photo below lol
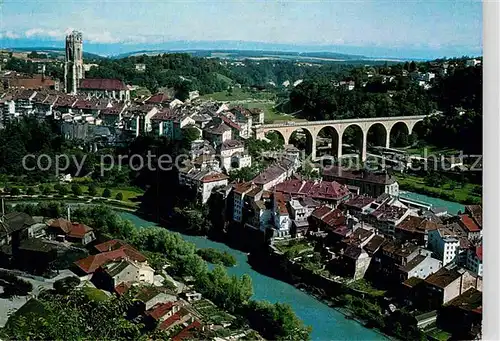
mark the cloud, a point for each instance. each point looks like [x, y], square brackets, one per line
[9, 35]
[100, 38]
[40, 32]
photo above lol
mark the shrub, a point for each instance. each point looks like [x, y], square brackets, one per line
[92, 190]
[15, 191]
[106, 193]
[76, 189]
[119, 196]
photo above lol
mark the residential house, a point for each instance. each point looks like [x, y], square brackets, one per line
[282, 221]
[161, 312]
[464, 315]
[370, 183]
[328, 192]
[257, 116]
[271, 176]
[354, 260]
[105, 88]
[71, 231]
[204, 181]
[244, 119]
[359, 206]
[217, 133]
[137, 118]
[229, 148]
[470, 227]
[122, 270]
[474, 260]
[472, 62]
[13, 227]
[448, 283]
[239, 191]
[415, 229]
[386, 217]
[445, 244]
[118, 250]
[300, 210]
[421, 266]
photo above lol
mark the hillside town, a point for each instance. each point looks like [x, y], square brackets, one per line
[345, 225]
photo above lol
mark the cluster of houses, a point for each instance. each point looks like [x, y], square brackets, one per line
[113, 267]
[102, 111]
[364, 230]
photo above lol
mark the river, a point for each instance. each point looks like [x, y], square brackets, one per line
[327, 323]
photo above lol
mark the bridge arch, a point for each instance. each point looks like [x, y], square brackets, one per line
[303, 139]
[399, 134]
[328, 141]
[271, 134]
[378, 135]
[353, 134]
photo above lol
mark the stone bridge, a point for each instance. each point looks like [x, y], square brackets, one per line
[312, 128]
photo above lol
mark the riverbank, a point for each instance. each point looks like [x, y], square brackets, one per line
[327, 323]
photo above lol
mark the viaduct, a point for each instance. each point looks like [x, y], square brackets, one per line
[312, 128]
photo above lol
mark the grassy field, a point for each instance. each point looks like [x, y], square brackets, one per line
[130, 194]
[438, 334]
[364, 286]
[95, 294]
[238, 94]
[294, 247]
[461, 192]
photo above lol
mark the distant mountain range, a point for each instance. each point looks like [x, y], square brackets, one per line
[249, 49]
[55, 51]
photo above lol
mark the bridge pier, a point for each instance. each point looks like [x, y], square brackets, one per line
[363, 148]
[387, 139]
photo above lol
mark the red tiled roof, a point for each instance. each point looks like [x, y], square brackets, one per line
[334, 218]
[158, 98]
[242, 187]
[75, 229]
[214, 177]
[110, 245]
[230, 123]
[34, 83]
[314, 189]
[171, 320]
[479, 253]
[160, 310]
[321, 211]
[91, 263]
[114, 110]
[468, 223]
[186, 332]
[102, 84]
[281, 203]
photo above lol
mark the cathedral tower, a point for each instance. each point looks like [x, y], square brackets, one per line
[73, 65]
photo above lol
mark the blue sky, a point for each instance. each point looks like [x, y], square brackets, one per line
[435, 28]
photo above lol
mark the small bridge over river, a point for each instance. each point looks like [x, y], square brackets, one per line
[312, 129]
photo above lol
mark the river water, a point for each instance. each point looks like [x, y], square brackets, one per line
[327, 323]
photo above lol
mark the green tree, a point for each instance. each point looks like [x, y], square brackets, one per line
[30, 191]
[106, 193]
[119, 196]
[76, 189]
[63, 190]
[15, 191]
[92, 190]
